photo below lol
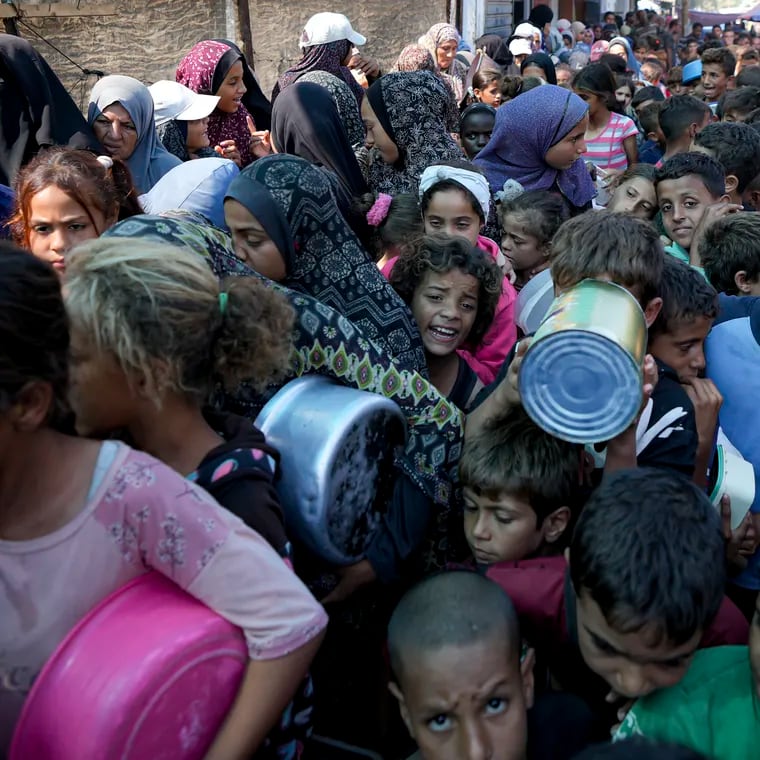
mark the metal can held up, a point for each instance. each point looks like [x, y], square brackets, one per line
[580, 380]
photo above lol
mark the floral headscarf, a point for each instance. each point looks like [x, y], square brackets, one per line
[203, 70]
[293, 201]
[328, 57]
[327, 343]
[345, 102]
[412, 107]
[419, 58]
[457, 71]
[526, 127]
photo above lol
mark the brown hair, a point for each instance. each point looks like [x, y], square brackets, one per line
[442, 253]
[80, 175]
[723, 57]
[626, 249]
[161, 312]
[512, 455]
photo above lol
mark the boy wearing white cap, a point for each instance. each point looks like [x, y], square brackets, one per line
[181, 117]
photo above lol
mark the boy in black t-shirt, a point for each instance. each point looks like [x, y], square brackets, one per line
[688, 401]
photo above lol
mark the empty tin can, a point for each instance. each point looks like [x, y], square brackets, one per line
[580, 380]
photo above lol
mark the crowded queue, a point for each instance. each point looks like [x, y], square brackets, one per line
[190, 254]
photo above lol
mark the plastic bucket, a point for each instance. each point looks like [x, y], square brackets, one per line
[150, 672]
[580, 380]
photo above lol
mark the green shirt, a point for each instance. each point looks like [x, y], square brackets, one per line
[713, 710]
[680, 253]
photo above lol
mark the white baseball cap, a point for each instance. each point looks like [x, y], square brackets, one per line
[329, 27]
[520, 47]
[526, 30]
[172, 100]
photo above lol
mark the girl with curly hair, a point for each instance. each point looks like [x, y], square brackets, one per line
[452, 288]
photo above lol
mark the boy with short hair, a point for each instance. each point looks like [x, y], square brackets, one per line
[714, 709]
[681, 118]
[676, 340]
[688, 185]
[730, 253]
[453, 634]
[736, 147]
[653, 147]
[641, 591]
[645, 96]
[718, 66]
[522, 487]
[737, 105]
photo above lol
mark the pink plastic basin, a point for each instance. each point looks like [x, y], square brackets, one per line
[149, 674]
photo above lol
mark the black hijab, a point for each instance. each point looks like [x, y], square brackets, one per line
[35, 109]
[495, 48]
[542, 61]
[306, 123]
[254, 99]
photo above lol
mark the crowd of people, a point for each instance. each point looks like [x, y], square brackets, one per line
[189, 247]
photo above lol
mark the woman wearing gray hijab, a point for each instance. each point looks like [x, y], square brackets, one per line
[121, 116]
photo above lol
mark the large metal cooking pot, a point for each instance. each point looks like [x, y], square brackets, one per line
[336, 446]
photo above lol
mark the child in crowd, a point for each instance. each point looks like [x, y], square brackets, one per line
[714, 709]
[718, 66]
[652, 72]
[462, 688]
[65, 196]
[645, 96]
[475, 128]
[681, 118]
[730, 253]
[688, 185]
[522, 489]
[486, 87]
[737, 105]
[632, 192]
[610, 137]
[640, 592]
[116, 295]
[528, 224]
[96, 515]
[736, 147]
[452, 288]
[564, 75]
[455, 199]
[624, 91]
[732, 248]
[652, 148]
[676, 340]
[603, 245]
[397, 224]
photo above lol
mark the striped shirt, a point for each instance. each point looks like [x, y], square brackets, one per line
[606, 149]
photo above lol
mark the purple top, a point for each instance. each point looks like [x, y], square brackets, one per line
[525, 129]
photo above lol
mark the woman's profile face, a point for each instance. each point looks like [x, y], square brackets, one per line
[377, 137]
[57, 223]
[116, 131]
[252, 242]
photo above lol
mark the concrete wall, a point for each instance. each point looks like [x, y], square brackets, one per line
[147, 39]
[388, 25]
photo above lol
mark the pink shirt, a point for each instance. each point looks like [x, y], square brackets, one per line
[487, 358]
[606, 150]
[142, 516]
